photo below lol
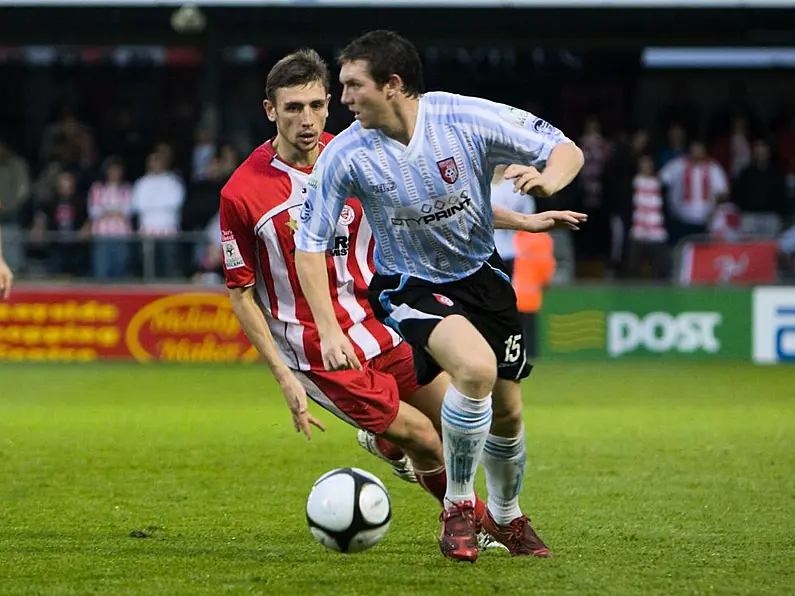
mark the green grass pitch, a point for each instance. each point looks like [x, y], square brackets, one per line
[644, 478]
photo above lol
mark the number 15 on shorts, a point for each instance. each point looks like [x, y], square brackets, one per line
[513, 348]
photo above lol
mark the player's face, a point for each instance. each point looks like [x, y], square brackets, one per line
[300, 114]
[361, 94]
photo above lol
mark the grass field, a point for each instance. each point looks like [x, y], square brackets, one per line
[644, 478]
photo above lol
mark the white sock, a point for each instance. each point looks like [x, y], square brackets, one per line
[465, 426]
[504, 460]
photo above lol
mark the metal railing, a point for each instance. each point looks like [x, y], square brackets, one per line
[181, 257]
[130, 258]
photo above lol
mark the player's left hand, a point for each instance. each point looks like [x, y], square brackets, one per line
[529, 181]
[6, 279]
[553, 220]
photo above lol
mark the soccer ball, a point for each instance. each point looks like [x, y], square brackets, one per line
[348, 510]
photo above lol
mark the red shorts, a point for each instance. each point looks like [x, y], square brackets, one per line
[369, 398]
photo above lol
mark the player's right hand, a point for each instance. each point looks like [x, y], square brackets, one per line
[338, 352]
[295, 396]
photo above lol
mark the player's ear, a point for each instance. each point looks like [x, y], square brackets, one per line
[270, 110]
[328, 100]
[393, 86]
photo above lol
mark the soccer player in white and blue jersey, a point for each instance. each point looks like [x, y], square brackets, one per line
[421, 164]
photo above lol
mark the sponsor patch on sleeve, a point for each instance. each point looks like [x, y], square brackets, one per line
[232, 257]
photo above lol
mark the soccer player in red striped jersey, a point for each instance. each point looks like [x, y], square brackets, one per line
[260, 213]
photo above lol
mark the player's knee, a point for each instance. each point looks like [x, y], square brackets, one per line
[476, 374]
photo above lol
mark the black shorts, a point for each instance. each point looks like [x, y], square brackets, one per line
[413, 307]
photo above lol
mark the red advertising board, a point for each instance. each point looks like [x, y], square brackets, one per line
[741, 263]
[143, 324]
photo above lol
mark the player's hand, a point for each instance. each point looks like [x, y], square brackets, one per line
[6, 279]
[295, 396]
[553, 220]
[529, 181]
[338, 352]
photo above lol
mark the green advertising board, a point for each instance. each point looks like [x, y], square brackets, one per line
[618, 322]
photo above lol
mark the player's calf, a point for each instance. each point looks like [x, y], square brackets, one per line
[414, 433]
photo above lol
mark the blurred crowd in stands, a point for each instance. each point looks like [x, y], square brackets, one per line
[79, 204]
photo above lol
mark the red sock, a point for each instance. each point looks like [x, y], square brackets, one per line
[435, 482]
[389, 450]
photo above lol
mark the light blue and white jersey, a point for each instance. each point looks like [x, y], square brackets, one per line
[428, 203]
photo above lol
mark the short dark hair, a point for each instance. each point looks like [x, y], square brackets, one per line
[387, 54]
[302, 67]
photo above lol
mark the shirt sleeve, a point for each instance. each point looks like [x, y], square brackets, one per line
[330, 185]
[512, 135]
[238, 244]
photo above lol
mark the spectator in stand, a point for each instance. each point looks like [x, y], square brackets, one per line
[62, 224]
[14, 195]
[203, 152]
[648, 238]
[110, 212]
[786, 153]
[695, 184]
[733, 149]
[619, 180]
[760, 194]
[157, 201]
[597, 151]
[201, 206]
[595, 238]
[675, 145]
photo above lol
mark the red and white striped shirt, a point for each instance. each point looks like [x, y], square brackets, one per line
[110, 209]
[694, 188]
[260, 210]
[648, 223]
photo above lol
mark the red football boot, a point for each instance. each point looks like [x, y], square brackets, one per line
[458, 540]
[519, 537]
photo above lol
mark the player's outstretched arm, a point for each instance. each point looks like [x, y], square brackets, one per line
[6, 277]
[505, 219]
[256, 329]
[337, 350]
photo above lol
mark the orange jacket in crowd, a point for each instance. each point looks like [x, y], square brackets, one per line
[534, 266]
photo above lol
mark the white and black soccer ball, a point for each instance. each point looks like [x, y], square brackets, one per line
[348, 510]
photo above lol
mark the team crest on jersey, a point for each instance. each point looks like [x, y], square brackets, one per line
[347, 216]
[448, 170]
[441, 299]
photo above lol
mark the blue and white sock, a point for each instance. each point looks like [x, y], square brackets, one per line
[465, 426]
[504, 460]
